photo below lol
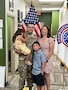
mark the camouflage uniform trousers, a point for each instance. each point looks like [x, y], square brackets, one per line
[29, 77]
[25, 73]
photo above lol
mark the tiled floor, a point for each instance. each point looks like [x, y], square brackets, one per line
[56, 78]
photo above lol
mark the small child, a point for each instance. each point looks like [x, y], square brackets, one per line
[39, 61]
[19, 40]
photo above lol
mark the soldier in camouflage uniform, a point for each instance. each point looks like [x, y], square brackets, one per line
[30, 39]
[25, 70]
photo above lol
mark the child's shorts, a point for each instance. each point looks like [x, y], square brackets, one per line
[38, 79]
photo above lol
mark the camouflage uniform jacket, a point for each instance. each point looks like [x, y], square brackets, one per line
[30, 39]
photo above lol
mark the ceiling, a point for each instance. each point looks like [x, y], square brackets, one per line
[46, 4]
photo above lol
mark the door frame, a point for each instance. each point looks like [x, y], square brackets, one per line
[12, 55]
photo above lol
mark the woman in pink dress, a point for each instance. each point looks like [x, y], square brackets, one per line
[47, 46]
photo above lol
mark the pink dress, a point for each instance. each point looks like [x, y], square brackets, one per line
[45, 48]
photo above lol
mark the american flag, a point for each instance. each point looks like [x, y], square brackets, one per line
[32, 17]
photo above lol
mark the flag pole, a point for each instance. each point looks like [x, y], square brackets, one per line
[63, 75]
[64, 65]
[32, 3]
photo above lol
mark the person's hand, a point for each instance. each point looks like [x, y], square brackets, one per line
[18, 51]
[19, 37]
[42, 73]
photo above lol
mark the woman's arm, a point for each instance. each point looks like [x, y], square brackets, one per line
[43, 62]
[43, 68]
[51, 48]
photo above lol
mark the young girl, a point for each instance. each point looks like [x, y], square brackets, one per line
[19, 40]
[39, 61]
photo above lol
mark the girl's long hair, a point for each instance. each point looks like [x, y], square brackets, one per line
[49, 31]
[18, 32]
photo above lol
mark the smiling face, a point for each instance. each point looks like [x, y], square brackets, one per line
[44, 31]
[30, 28]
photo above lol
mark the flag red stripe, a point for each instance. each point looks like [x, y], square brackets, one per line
[36, 32]
[37, 29]
[39, 26]
[23, 27]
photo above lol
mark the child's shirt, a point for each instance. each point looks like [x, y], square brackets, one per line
[38, 58]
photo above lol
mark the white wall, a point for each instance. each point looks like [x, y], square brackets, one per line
[18, 5]
[62, 11]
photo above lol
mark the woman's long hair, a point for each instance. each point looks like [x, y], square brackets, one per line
[49, 31]
[18, 32]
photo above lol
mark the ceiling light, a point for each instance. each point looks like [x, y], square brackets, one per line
[51, 0]
[47, 9]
